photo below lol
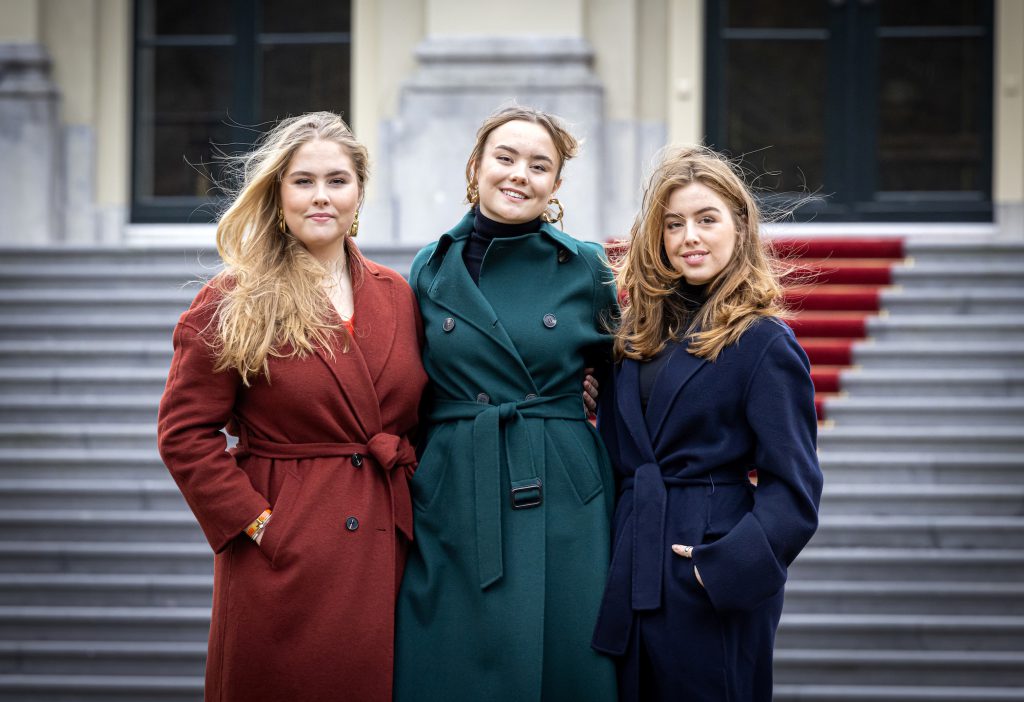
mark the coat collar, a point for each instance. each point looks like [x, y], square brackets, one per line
[681, 367]
[464, 228]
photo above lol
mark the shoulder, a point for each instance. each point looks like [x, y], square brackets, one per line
[203, 310]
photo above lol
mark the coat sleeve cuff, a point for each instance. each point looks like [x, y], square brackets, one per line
[740, 570]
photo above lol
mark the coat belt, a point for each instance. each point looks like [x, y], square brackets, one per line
[496, 428]
[387, 451]
[635, 581]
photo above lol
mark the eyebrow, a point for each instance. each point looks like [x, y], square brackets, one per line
[669, 214]
[537, 157]
[328, 174]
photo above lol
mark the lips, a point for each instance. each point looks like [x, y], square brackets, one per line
[513, 194]
[321, 217]
[694, 258]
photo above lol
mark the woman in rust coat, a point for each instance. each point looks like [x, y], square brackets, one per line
[310, 353]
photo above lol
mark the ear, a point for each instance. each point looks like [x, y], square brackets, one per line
[558, 184]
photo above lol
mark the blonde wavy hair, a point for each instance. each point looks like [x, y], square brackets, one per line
[745, 290]
[272, 302]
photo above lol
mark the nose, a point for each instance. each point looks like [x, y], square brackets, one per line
[518, 173]
[691, 234]
[320, 195]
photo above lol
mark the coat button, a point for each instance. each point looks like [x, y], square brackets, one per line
[563, 255]
[531, 396]
[550, 320]
[351, 523]
[483, 398]
[448, 324]
[357, 460]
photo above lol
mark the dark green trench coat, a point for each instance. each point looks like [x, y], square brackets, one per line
[513, 494]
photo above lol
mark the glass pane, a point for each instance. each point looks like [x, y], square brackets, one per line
[300, 78]
[930, 137]
[284, 16]
[930, 13]
[170, 17]
[777, 123]
[184, 158]
[191, 79]
[763, 14]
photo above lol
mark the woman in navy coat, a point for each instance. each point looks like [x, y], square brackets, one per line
[711, 427]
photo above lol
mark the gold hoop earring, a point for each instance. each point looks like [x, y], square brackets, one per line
[550, 218]
[472, 194]
[280, 221]
[353, 231]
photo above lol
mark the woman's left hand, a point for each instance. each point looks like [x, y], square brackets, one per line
[687, 552]
[589, 391]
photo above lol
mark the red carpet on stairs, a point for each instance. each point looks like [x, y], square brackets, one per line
[832, 286]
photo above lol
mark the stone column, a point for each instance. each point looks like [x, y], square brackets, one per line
[31, 196]
[460, 80]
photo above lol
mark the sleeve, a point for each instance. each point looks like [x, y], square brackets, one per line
[197, 403]
[749, 564]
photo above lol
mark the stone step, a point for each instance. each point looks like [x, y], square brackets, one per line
[157, 557]
[891, 631]
[100, 526]
[101, 688]
[896, 693]
[926, 466]
[862, 382]
[87, 353]
[875, 354]
[859, 564]
[79, 409]
[930, 251]
[135, 658]
[938, 327]
[955, 301]
[914, 531]
[85, 381]
[918, 499]
[141, 435]
[915, 439]
[105, 623]
[47, 276]
[915, 597]
[75, 463]
[978, 274]
[98, 589]
[914, 411]
[814, 666]
[85, 257]
[71, 328]
[89, 494]
[163, 299]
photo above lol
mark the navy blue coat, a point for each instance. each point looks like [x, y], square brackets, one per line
[682, 472]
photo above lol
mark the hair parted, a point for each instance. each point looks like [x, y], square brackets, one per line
[272, 301]
[566, 144]
[746, 289]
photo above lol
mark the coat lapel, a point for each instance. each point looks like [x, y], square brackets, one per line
[676, 373]
[627, 396]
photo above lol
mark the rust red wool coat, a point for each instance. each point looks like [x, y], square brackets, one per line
[309, 614]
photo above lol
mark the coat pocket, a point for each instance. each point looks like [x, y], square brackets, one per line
[725, 506]
[426, 482]
[281, 520]
[578, 461]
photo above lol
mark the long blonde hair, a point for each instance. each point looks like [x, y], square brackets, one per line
[746, 289]
[272, 302]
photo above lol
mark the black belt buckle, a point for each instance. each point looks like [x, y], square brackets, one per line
[526, 493]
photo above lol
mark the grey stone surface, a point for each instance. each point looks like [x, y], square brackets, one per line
[31, 193]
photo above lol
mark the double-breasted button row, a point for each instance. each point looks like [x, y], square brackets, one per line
[549, 321]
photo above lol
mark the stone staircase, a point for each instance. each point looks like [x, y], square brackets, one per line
[105, 578]
[913, 588]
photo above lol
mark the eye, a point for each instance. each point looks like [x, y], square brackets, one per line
[505, 159]
[338, 181]
[540, 168]
[674, 224]
[707, 219]
[302, 181]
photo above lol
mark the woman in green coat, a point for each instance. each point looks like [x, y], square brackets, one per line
[513, 493]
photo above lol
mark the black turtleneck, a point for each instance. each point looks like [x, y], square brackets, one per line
[692, 298]
[484, 231]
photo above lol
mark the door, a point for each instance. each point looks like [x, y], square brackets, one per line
[856, 110]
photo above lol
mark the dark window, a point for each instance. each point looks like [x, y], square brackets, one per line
[211, 76]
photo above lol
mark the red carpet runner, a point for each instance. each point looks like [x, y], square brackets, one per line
[833, 287]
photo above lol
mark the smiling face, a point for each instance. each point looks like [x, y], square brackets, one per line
[517, 173]
[320, 194]
[698, 233]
